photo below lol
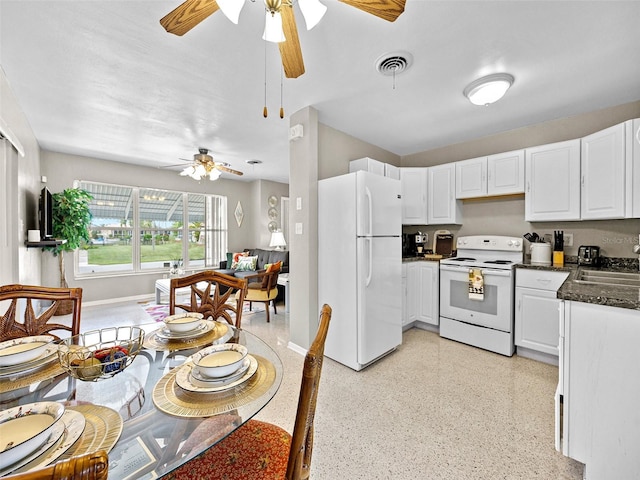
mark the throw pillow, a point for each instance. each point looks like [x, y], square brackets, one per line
[236, 258]
[247, 263]
[270, 267]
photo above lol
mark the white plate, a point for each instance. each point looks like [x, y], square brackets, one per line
[48, 356]
[205, 327]
[25, 349]
[74, 423]
[26, 428]
[56, 435]
[186, 381]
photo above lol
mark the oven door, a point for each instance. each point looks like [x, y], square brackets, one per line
[495, 310]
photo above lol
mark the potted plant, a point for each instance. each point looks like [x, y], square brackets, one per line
[71, 222]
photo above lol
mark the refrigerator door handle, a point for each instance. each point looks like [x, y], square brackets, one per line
[367, 193]
[369, 261]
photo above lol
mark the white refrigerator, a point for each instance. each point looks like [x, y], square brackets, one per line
[359, 265]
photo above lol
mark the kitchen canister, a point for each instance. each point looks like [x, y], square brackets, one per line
[33, 236]
[541, 254]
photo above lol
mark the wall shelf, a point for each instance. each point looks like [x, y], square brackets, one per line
[44, 243]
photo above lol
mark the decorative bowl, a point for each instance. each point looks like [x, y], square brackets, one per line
[22, 350]
[219, 360]
[26, 428]
[183, 322]
[100, 354]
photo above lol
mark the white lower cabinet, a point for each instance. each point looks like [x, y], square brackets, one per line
[422, 293]
[600, 368]
[536, 315]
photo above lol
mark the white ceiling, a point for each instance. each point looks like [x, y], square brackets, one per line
[103, 78]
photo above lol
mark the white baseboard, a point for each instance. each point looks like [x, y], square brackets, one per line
[297, 348]
[106, 301]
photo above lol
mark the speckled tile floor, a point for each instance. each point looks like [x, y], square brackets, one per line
[433, 409]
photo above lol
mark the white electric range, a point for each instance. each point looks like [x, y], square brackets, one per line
[477, 291]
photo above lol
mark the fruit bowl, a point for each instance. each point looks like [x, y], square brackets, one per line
[100, 354]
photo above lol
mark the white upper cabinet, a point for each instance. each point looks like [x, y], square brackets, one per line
[606, 186]
[634, 145]
[505, 173]
[552, 174]
[413, 184]
[391, 171]
[500, 174]
[368, 165]
[442, 206]
[471, 178]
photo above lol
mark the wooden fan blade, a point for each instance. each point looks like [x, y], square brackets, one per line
[227, 169]
[386, 9]
[186, 16]
[290, 49]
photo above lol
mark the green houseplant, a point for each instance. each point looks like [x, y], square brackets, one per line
[71, 222]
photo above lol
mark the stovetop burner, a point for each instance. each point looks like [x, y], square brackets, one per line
[462, 259]
[499, 262]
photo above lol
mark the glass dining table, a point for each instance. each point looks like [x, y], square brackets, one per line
[148, 419]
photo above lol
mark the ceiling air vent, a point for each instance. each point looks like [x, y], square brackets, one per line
[393, 63]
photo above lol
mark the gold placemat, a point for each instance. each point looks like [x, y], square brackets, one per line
[154, 342]
[47, 372]
[170, 398]
[102, 430]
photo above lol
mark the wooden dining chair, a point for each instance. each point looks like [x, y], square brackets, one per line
[213, 294]
[260, 450]
[90, 466]
[14, 324]
[263, 287]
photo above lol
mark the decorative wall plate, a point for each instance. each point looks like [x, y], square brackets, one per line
[239, 214]
[273, 226]
[272, 213]
[273, 201]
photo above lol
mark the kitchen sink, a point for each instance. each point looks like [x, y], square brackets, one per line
[609, 278]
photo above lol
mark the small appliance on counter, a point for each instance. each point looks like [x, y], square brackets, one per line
[443, 243]
[540, 253]
[413, 244]
[589, 255]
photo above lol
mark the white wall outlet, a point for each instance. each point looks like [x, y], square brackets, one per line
[568, 239]
[298, 203]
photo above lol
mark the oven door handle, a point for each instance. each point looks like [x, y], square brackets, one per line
[485, 271]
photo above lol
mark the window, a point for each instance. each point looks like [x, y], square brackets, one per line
[143, 229]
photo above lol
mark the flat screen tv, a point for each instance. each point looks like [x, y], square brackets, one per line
[46, 214]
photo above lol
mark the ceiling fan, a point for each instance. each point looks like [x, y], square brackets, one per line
[190, 13]
[204, 165]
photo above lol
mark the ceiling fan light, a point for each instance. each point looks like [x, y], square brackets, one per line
[312, 11]
[489, 89]
[273, 28]
[214, 174]
[231, 9]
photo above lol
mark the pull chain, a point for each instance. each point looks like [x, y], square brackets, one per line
[264, 110]
[281, 107]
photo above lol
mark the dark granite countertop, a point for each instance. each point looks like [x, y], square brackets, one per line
[418, 259]
[613, 296]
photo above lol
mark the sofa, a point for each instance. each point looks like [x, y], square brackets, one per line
[263, 257]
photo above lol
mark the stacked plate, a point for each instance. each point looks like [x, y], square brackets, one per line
[216, 368]
[35, 434]
[26, 354]
[184, 326]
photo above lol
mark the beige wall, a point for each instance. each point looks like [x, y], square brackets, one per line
[505, 215]
[22, 202]
[62, 170]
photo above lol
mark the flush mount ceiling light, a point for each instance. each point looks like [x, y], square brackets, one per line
[489, 89]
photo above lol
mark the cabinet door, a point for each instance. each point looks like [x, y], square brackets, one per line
[391, 171]
[633, 146]
[443, 207]
[412, 292]
[428, 295]
[505, 173]
[552, 175]
[603, 168]
[537, 320]
[471, 178]
[368, 165]
[413, 183]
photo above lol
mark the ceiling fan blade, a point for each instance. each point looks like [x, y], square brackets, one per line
[227, 169]
[386, 9]
[290, 49]
[186, 164]
[186, 16]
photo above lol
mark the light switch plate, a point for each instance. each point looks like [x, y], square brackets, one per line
[298, 203]
[298, 229]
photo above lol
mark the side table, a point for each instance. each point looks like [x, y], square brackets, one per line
[283, 279]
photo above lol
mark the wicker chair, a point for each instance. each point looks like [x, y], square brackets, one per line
[263, 450]
[33, 323]
[90, 466]
[263, 287]
[211, 293]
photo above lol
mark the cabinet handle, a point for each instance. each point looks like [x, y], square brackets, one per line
[583, 180]
[528, 187]
[543, 280]
[519, 301]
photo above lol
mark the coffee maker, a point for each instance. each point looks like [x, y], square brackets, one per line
[413, 244]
